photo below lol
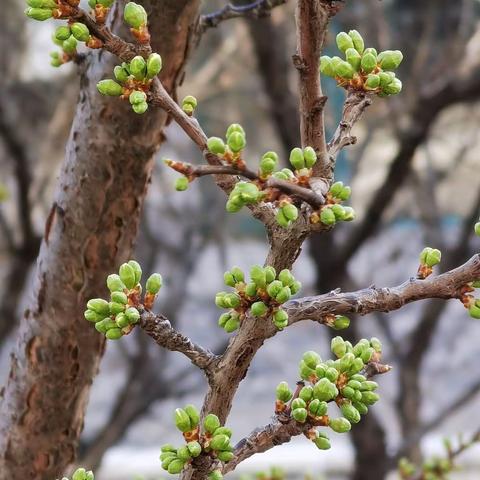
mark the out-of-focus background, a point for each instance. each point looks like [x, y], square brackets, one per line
[415, 176]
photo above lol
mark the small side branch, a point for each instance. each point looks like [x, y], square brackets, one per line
[257, 9]
[265, 438]
[448, 285]
[159, 328]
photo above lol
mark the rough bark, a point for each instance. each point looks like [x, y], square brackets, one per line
[90, 230]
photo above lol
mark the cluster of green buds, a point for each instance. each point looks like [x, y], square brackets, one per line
[136, 16]
[189, 104]
[118, 316]
[81, 474]
[42, 10]
[133, 81]
[67, 37]
[244, 193]
[469, 301]
[333, 211]
[429, 257]
[363, 68]
[340, 381]
[230, 150]
[213, 440]
[262, 296]
[100, 9]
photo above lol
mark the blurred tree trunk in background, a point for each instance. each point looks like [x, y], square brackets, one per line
[101, 189]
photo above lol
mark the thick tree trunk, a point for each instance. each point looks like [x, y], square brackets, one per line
[91, 229]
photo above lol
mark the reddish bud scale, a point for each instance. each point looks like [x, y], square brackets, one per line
[94, 42]
[141, 34]
[424, 271]
[100, 13]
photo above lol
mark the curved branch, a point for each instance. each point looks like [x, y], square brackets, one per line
[160, 329]
[448, 285]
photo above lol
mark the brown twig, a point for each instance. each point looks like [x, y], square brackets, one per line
[159, 328]
[257, 9]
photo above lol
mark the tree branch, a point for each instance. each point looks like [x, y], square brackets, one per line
[257, 9]
[446, 286]
[160, 329]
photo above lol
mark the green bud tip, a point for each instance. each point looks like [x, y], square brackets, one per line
[109, 87]
[344, 41]
[154, 283]
[135, 15]
[215, 145]
[181, 184]
[154, 65]
[80, 31]
[236, 141]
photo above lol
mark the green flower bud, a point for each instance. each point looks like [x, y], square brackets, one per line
[259, 309]
[258, 276]
[99, 305]
[281, 219]
[393, 88]
[322, 442]
[225, 456]
[92, 316]
[386, 78]
[120, 74]
[138, 67]
[274, 288]
[177, 465]
[62, 33]
[340, 425]
[348, 392]
[344, 41]
[356, 366]
[80, 31]
[232, 324]
[305, 371]
[109, 87]
[358, 42]
[70, 45]
[56, 61]
[135, 15]
[140, 108]
[215, 475]
[338, 347]
[430, 256]
[137, 269]
[295, 287]
[327, 217]
[345, 193]
[353, 58]
[211, 423]
[182, 420]
[367, 354]
[79, 474]
[121, 320]
[350, 412]
[361, 407]
[248, 192]
[300, 415]
[270, 273]
[132, 314]
[306, 393]
[127, 275]
[168, 460]
[234, 127]
[360, 347]
[280, 319]
[310, 157]
[268, 163]
[115, 284]
[283, 392]
[368, 62]
[114, 334]
[324, 390]
[372, 82]
[474, 312]
[137, 96]
[168, 447]
[317, 408]
[332, 374]
[341, 322]
[105, 325]
[290, 211]
[348, 214]
[154, 283]
[327, 66]
[39, 14]
[344, 70]
[154, 66]
[320, 370]
[220, 442]
[236, 142]
[476, 229]
[216, 145]
[48, 4]
[336, 189]
[390, 59]
[251, 289]
[223, 431]
[298, 403]
[368, 386]
[284, 295]
[165, 455]
[116, 307]
[223, 319]
[181, 184]
[369, 398]
[183, 453]
[338, 210]
[92, 3]
[311, 359]
[296, 158]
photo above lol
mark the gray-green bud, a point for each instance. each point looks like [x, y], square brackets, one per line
[390, 59]
[154, 283]
[216, 145]
[327, 66]
[310, 157]
[127, 275]
[259, 309]
[344, 41]
[353, 58]
[63, 32]
[135, 15]
[154, 65]
[99, 305]
[211, 423]
[368, 62]
[140, 108]
[114, 283]
[300, 414]
[358, 42]
[109, 87]
[138, 67]
[236, 142]
[182, 420]
[114, 334]
[132, 314]
[340, 425]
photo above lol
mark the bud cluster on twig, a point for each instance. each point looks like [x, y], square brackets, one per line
[363, 68]
[333, 212]
[118, 316]
[212, 439]
[81, 474]
[343, 381]
[133, 81]
[429, 257]
[262, 296]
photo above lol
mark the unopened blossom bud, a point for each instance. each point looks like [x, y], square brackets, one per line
[63, 32]
[140, 108]
[476, 229]
[127, 275]
[430, 256]
[135, 15]
[138, 67]
[234, 127]
[344, 41]
[236, 141]
[300, 414]
[39, 14]
[353, 58]
[344, 70]
[296, 158]
[290, 211]
[70, 45]
[137, 96]
[358, 42]
[80, 31]
[327, 66]
[393, 88]
[211, 423]
[390, 59]
[154, 66]
[181, 184]
[340, 425]
[120, 73]
[310, 157]
[109, 87]
[327, 217]
[216, 145]
[368, 62]
[322, 442]
[114, 334]
[372, 82]
[99, 305]
[259, 309]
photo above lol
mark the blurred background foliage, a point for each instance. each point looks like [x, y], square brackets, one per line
[415, 178]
